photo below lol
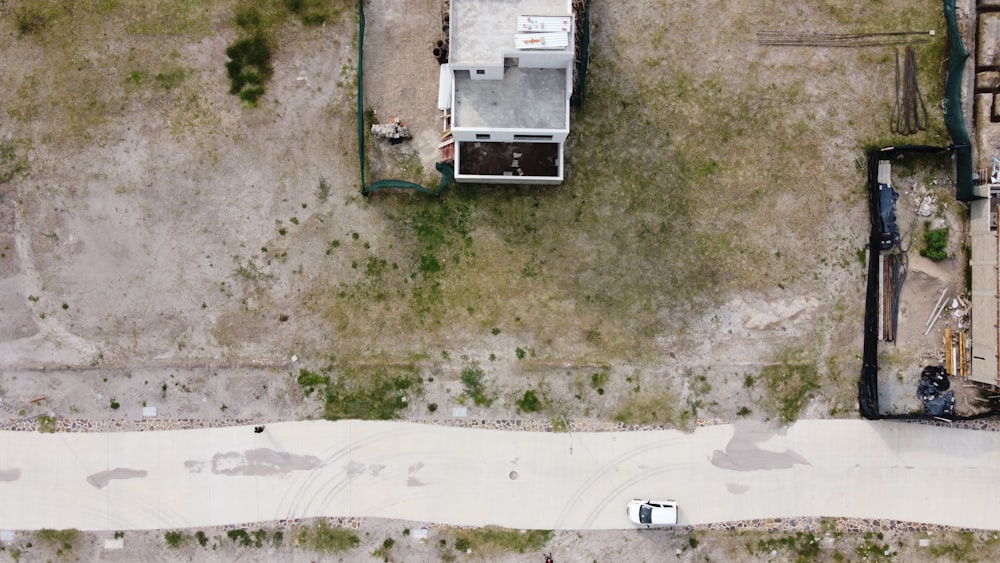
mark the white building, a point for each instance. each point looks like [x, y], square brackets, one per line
[511, 69]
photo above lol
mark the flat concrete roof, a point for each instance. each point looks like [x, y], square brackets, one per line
[481, 30]
[984, 294]
[526, 98]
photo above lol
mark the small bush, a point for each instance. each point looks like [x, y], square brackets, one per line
[240, 536]
[529, 402]
[249, 68]
[46, 424]
[175, 539]
[935, 244]
[473, 381]
[114, 405]
[201, 538]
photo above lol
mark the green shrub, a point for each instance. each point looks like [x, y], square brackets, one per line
[46, 424]
[249, 67]
[201, 538]
[529, 402]
[175, 539]
[935, 244]
[239, 536]
[473, 381]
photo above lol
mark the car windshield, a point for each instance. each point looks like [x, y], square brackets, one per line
[645, 514]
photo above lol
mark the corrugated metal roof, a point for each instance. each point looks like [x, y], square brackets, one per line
[544, 23]
[541, 40]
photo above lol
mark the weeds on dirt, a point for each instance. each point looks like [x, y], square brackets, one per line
[474, 385]
[323, 190]
[496, 539]
[33, 19]
[648, 408]
[365, 393]
[175, 539]
[382, 552]
[872, 548]
[320, 537]
[803, 546]
[13, 159]
[62, 540]
[791, 383]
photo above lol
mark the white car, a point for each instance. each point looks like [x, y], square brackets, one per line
[653, 512]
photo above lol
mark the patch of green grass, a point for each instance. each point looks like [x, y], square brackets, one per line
[364, 393]
[935, 244]
[13, 159]
[529, 402]
[175, 538]
[474, 385]
[34, 18]
[648, 408]
[958, 546]
[791, 383]
[170, 79]
[321, 538]
[494, 539]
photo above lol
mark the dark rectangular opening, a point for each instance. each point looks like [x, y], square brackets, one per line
[482, 136]
[509, 159]
[480, 71]
[532, 137]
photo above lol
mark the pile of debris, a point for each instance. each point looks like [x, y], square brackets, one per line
[934, 393]
[394, 131]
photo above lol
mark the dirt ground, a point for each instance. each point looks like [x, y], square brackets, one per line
[409, 544]
[161, 244]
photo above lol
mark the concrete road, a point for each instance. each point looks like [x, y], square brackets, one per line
[193, 478]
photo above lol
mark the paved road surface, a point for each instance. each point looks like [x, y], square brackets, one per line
[193, 478]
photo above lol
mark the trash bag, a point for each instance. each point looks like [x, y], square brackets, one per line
[940, 405]
[937, 377]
